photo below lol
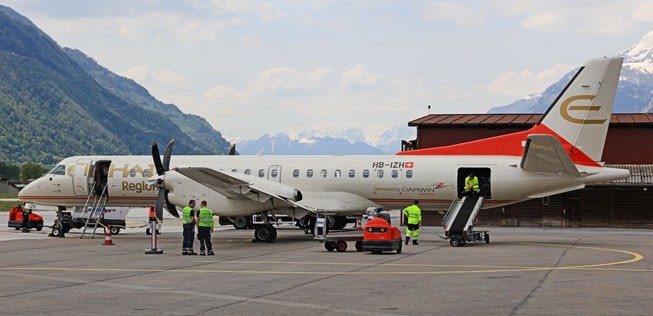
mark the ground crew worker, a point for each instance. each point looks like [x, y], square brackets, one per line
[471, 185]
[414, 215]
[205, 228]
[24, 225]
[189, 222]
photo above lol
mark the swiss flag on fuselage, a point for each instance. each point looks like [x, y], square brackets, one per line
[409, 164]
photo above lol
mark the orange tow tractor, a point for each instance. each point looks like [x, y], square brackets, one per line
[16, 220]
[378, 236]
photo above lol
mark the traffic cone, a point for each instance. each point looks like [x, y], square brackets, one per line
[107, 237]
[359, 224]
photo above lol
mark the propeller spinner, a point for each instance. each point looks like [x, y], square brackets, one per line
[161, 169]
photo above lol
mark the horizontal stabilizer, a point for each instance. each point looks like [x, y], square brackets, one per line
[545, 154]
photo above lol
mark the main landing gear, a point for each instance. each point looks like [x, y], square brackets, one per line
[265, 232]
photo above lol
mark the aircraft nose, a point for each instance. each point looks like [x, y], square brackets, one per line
[25, 193]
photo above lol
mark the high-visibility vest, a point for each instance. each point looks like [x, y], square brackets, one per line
[473, 183]
[206, 218]
[186, 215]
[152, 212]
[413, 213]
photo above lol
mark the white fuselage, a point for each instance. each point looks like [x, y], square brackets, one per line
[389, 181]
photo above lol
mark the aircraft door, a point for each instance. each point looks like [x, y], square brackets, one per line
[274, 173]
[484, 180]
[83, 176]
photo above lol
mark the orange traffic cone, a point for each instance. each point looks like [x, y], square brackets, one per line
[359, 225]
[107, 237]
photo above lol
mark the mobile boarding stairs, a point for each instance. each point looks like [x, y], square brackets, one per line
[459, 221]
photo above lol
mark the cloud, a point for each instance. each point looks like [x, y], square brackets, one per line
[286, 80]
[597, 17]
[521, 83]
[456, 12]
[263, 10]
[359, 78]
[222, 92]
[137, 73]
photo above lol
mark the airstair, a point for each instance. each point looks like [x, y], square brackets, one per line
[459, 221]
[94, 209]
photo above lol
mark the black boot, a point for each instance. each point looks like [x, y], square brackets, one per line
[191, 252]
[211, 253]
[407, 239]
[202, 253]
[184, 252]
[415, 242]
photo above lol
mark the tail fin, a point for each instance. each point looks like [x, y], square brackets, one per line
[579, 118]
[581, 114]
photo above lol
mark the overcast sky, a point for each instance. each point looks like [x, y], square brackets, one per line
[253, 67]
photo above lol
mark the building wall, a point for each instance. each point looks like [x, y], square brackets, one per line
[624, 144]
[597, 206]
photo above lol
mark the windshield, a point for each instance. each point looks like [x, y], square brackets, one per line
[59, 169]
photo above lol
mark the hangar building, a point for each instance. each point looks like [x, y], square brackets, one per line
[627, 203]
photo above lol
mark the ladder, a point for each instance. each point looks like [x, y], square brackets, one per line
[96, 211]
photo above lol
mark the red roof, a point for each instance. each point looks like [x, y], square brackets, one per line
[516, 119]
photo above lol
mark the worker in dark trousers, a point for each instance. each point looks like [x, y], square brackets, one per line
[414, 215]
[24, 225]
[189, 220]
[205, 228]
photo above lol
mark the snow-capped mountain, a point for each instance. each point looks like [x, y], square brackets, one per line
[634, 93]
[351, 141]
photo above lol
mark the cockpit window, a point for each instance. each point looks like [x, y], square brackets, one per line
[58, 170]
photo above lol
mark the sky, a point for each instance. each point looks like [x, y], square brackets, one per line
[257, 67]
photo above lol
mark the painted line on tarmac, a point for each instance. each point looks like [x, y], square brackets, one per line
[495, 269]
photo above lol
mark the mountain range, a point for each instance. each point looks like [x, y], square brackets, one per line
[634, 93]
[56, 102]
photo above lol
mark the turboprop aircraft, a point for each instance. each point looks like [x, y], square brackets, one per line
[559, 154]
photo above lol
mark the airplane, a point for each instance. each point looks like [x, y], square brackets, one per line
[559, 154]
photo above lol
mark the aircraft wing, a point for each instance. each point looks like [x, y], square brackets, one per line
[240, 186]
[545, 154]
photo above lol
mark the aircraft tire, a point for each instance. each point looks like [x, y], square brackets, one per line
[241, 222]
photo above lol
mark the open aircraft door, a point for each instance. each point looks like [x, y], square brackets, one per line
[83, 176]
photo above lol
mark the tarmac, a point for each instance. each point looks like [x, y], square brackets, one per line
[522, 271]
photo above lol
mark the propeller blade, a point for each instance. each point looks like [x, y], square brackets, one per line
[159, 203]
[157, 159]
[232, 150]
[172, 209]
[167, 155]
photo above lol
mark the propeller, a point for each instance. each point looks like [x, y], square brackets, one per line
[161, 169]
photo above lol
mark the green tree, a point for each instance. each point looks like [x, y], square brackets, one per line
[31, 170]
[9, 171]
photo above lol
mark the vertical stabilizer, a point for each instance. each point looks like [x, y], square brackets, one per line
[581, 114]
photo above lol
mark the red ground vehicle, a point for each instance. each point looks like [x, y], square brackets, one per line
[16, 219]
[378, 236]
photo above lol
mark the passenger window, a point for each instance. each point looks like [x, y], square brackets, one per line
[146, 173]
[337, 173]
[132, 173]
[248, 172]
[295, 173]
[323, 173]
[379, 173]
[352, 173]
[395, 173]
[274, 173]
[409, 174]
[234, 170]
[261, 173]
[309, 173]
[366, 173]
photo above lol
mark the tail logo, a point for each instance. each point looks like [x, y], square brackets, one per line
[566, 108]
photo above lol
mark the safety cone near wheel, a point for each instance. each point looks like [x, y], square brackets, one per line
[107, 237]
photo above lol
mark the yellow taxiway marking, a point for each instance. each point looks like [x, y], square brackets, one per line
[480, 268]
